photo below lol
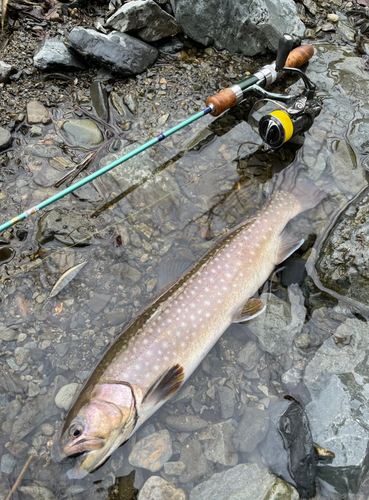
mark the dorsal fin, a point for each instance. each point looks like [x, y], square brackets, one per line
[166, 385]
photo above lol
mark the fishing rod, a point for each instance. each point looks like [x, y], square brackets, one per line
[275, 129]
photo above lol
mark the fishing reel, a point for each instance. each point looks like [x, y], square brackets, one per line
[291, 115]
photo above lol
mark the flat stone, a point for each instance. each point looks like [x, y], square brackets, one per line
[5, 139]
[82, 133]
[218, 446]
[65, 396]
[38, 492]
[99, 98]
[8, 334]
[227, 398]
[244, 482]
[174, 468]
[118, 52]
[130, 274]
[146, 18]
[185, 422]
[251, 430]
[194, 459]
[156, 488]
[98, 302]
[7, 463]
[249, 356]
[52, 54]
[152, 451]
[37, 113]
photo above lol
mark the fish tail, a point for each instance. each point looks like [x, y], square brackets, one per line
[304, 192]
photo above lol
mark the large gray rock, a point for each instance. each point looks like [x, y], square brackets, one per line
[244, 482]
[5, 71]
[146, 18]
[120, 53]
[338, 381]
[52, 54]
[251, 27]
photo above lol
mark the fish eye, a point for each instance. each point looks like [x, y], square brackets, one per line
[75, 430]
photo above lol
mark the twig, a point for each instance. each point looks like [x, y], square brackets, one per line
[16, 484]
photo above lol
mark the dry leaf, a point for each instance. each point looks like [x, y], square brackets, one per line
[65, 279]
[59, 307]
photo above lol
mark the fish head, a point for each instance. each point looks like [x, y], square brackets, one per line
[96, 430]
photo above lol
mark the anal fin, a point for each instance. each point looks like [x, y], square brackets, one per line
[250, 310]
[288, 244]
[166, 385]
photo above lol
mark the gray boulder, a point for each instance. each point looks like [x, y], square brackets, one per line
[244, 482]
[146, 18]
[251, 27]
[52, 54]
[338, 381]
[119, 53]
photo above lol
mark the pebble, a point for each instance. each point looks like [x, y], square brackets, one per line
[156, 488]
[98, 302]
[47, 429]
[194, 459]
[37, 113]
[185, 422]
[7, 463]
[152, 451]
[17, 449]
[5, 139]
[334, 18]
[21, 355]
[33, 390]
[65, 396]
[227, 398]
[38, 492]
[8, 334]
[218, 446]
[35, 131]
[174, 468]
[303, 340]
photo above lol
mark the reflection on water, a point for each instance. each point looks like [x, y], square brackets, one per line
[308, 345]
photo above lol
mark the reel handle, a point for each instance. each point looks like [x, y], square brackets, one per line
[228, 98]
[284, 48]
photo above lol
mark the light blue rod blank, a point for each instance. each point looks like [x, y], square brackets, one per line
[102, 171]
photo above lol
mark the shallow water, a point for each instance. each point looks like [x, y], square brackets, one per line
[183, 197]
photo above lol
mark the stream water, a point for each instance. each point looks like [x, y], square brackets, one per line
[187, 190]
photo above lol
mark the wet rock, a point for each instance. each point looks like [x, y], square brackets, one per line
[7, 463]
[5, 71]
[18, 449]
[246, 482]
[185, 422]
[333, 18]
[37, 113]
[115, 318]
[227, 398]
[66, 227]
[146, 18]
[5, 139]
[194, 459]
[249, 356]
[156, 488]
[294, 271]
[256, 25]
[152, 451]
[118, 52]
[82, 133]
[52, 54]
[342, 264]
[65, 396]
[174, 468]
[12, 384]
[129, 274]
[47, 429]
[99, 97]
[346, 171]
[346, 31]
[117, 102]
[21, 355]
[8, 334]
[131, 101]
[98, 302]
[218, 446]
[38, 492]
[35, 131]
[288, 448]
[338, 381]
[251, 430]
[33, 389]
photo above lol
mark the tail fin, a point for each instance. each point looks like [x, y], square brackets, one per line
[304, 192]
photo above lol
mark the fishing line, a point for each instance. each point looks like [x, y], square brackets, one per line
[141, 210]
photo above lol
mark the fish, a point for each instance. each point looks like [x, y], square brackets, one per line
[158, 351]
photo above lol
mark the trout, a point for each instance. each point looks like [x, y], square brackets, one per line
[160, 349]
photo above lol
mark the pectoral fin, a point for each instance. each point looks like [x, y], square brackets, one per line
[288, 244]
[166, 385]
[251, 309]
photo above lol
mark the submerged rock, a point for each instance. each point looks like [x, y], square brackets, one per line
[5, 138]
[338, 381]
[246, 482]
[194, 459]
[52, 54]
[156, 488]
[82, 133]
[146, 18]
[152, 451]
[251, 430]
[37, 113]
[118, 52]
[255, 28]
[66, 227]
